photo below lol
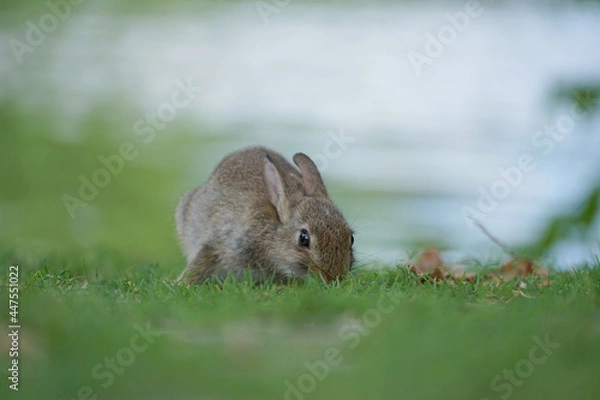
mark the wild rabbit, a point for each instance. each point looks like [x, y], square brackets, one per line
[258, 216]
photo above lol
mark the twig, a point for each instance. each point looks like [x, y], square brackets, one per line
[500, 244]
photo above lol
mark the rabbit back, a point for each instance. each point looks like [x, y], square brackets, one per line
[224, 221]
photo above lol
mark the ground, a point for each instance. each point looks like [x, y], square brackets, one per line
[120, 329]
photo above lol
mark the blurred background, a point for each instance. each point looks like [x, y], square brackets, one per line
[419, 114]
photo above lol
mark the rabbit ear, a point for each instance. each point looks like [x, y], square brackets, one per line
[274, 186]
[313, 183]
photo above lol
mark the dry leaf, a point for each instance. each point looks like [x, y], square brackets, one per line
[439, 275]
[431, 264]
[429, 261]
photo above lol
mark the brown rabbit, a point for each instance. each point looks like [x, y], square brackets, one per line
[258, 216]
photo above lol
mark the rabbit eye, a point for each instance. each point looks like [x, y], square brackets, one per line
[352, 240]
[304, 239]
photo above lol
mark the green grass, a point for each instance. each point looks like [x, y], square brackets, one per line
[234, 340]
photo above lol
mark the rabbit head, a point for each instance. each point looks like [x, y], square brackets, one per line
[311, 233]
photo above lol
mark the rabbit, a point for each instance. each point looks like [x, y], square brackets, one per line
[259, 216]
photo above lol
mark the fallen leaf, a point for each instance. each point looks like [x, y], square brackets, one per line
[431, 264]
[439, 275]
[429, 261]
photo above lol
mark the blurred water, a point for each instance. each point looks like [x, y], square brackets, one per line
[418, 148]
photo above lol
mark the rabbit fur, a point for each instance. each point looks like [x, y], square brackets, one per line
[253, 217]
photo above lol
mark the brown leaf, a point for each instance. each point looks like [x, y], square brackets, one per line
[512, 268]
[413, 269]
[431, 264]
[521, 268]
[459, 274]
[439, 275]
[429, 261]
[541, 271]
